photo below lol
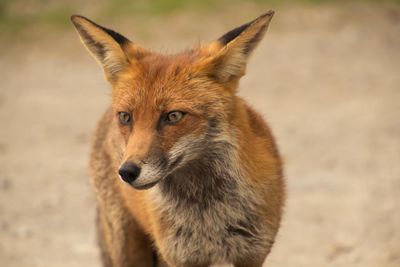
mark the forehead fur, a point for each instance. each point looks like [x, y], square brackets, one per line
[158, 66]
[157, 81]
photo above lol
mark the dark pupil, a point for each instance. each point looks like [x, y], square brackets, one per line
[173, 116]
[124, 117]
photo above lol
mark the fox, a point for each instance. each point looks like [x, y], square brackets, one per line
[185, 172]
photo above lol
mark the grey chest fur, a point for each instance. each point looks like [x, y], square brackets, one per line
[212, 220]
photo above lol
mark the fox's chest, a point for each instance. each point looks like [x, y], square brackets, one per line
[215, 233]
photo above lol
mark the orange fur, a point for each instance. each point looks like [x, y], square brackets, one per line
[201, 83]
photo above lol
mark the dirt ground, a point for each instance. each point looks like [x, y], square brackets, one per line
[327, 79]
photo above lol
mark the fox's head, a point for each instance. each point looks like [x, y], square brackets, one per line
[171, 109]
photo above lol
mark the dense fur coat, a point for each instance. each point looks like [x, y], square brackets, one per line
[203, 178]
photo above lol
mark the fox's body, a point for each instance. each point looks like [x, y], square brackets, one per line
[203, 176]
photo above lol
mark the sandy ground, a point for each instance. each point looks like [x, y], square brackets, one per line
[326, 78]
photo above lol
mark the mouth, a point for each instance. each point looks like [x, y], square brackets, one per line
[145, 186]
[172, 168]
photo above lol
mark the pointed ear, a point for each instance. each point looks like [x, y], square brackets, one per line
[107, 46]
[232, 50]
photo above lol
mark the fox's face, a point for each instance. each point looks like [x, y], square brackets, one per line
[170, 109]
[167, 113]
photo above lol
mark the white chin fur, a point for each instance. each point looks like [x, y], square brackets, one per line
[148, 175]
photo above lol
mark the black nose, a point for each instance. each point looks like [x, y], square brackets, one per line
[129, 172]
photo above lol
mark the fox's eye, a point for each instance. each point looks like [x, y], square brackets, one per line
[174, 116]
[124, 118]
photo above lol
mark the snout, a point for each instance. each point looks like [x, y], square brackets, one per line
[129, 172]
[139, 177]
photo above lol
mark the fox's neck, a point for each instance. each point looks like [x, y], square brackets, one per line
[206, 180]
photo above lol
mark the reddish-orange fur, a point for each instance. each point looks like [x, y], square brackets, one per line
[201, 82]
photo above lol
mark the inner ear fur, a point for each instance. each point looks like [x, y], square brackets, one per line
[112, 50]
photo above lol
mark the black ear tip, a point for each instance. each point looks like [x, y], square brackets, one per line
[271, 12]
[267, 15]
[76, 18]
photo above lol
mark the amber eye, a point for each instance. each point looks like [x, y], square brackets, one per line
[124, 118]
[174, 116]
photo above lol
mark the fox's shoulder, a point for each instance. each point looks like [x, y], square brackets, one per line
[106, 140]
[102, 129]
[255, 121]
[257, 145]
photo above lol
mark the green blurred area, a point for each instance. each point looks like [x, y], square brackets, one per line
[16, 16]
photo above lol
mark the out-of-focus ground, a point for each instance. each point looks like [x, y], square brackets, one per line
[326, 77]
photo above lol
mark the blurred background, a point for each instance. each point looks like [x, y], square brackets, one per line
[326, 77]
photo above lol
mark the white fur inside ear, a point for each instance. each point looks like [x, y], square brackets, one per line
[233, 65]
[104, 48]
[114, 63]
[230, 62]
